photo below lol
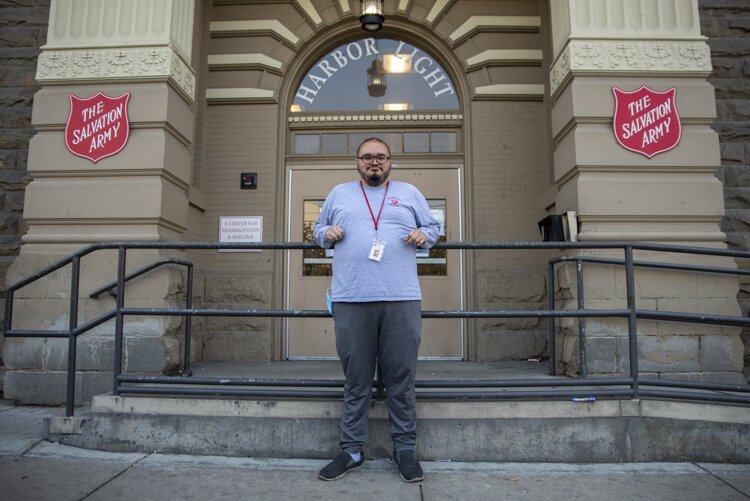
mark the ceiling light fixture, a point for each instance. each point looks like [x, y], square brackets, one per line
[372, 15]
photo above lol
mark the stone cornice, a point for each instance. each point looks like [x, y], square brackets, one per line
[375, 117]
[272, 27]
[310, 11]
[344, 6]
[630, 57]
[119, 63]
[475, 24]
[509, 91]
[437, 9]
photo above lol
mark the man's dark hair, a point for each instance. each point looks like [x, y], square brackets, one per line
[377, 140]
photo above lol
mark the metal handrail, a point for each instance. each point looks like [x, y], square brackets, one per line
[138, 273]
[74, 330]
[650, 314]
[188, 300]
[620, 387]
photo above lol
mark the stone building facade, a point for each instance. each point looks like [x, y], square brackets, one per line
[727, 26]
[23, 32]
[213, 89]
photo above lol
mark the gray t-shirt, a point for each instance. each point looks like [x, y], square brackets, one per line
[357, 278]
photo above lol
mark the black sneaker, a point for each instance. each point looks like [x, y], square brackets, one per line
[340, 466]
[408, 466]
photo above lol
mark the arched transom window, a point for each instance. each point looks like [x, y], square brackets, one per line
[375, 74]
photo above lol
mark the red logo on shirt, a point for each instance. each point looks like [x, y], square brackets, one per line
[394, 201]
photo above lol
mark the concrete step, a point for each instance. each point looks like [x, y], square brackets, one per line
[604, 430]
[547, 431]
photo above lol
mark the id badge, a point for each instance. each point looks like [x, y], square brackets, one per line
[377, 250]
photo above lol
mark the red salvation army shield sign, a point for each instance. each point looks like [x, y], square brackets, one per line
[97, 126]
[646, 121]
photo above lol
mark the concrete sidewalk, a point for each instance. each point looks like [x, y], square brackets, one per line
[32, 468]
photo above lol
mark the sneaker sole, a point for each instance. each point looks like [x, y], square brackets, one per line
[327, 479]
[413, 480]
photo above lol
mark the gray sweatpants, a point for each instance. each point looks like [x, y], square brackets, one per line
[389, 331]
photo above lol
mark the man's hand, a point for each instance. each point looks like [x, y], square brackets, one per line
[334, 233]
[415, 237]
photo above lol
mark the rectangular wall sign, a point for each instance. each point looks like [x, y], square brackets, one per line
[240, 229]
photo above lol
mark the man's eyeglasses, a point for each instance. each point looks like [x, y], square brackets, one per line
[369, 158]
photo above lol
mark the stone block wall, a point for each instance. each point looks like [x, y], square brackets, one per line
[669, 350]
[235, 338]
[23, 30]
[37, 367]
[726, 23]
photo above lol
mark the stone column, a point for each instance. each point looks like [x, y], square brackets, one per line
[673, 197]
[139, 194]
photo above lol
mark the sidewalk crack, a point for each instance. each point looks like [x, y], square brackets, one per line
[115, 477]
[28, 449]
[721, 480]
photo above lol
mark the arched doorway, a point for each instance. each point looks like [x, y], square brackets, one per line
[398, 92]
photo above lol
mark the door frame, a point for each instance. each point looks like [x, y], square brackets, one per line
[346, 164]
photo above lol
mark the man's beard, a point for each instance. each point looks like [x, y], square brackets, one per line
[376, 178]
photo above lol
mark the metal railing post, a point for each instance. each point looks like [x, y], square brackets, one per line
[632, 319]
[72, 338]
[551, 346]
[9, 309]
[119, 305]
[186, 370]
[581, 320]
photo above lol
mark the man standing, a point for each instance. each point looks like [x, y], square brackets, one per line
[376, 226]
